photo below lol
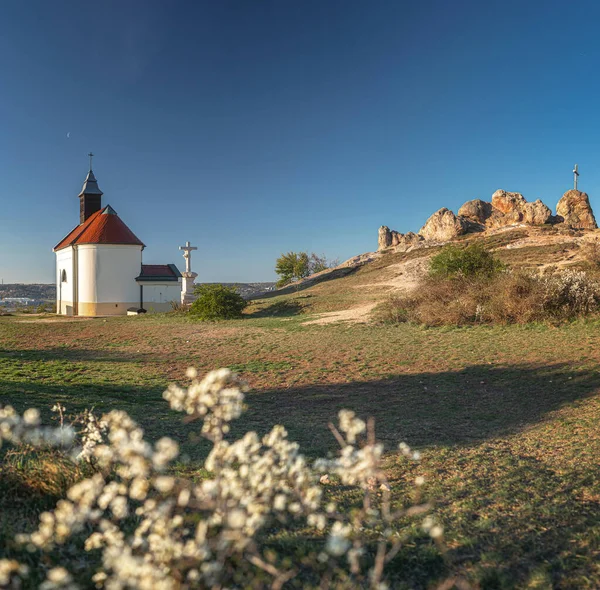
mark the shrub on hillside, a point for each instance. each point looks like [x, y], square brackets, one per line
[513, 298]
[472, 261]
[217, 302]
[178, 307]
[47, 307]
[571, 293]
[150, 528]
[506, 298]
[590, 252]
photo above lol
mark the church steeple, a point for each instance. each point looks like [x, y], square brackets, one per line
[90, 197]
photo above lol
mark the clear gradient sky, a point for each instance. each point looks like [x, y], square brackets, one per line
[254, 127]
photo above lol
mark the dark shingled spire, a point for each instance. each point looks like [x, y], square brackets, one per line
[90, 186]
[90, 198]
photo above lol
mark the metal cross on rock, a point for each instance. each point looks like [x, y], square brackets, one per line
[575, 175]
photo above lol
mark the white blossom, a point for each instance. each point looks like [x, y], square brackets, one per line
[338, 541]
[185, 533]
[10, 573]
[351, 425]
[58, 578]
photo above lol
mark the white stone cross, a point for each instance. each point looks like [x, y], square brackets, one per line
[187, 254]
[575, 175]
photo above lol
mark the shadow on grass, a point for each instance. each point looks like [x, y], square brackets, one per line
[144, 403]
[280, 309]
[509, 517]
[337, 273]
[425, 409]
[514, 522]
[68, 354]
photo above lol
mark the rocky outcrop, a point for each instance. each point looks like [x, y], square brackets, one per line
[477, 211]
[443, 225]
[385, 237]
[508, 203]
[506, 209]
[575, 211]
[404, 242]
[510, 208]
[536, 213]
[389, 238]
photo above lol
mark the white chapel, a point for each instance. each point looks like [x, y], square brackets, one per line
[99, 268]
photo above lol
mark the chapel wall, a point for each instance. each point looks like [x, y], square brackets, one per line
[64, 289]
[107, 275]
[158, 297]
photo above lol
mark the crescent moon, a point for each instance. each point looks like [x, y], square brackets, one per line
[68, 135]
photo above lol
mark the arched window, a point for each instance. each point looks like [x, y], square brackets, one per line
[63, 276]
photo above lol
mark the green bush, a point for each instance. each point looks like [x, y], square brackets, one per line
[472, 261]
[217, 302]
[47, 307]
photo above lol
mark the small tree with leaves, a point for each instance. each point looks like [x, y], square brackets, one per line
[292, 267]
[320, 263]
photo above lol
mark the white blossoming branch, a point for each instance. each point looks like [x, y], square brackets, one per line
[158, 531]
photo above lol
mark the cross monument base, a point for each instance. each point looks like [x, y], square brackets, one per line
[187, 287]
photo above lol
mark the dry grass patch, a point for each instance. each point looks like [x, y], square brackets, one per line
[506, 298]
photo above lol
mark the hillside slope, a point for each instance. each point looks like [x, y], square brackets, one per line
[349, 291]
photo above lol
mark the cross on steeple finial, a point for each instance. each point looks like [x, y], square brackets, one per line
[91, 156]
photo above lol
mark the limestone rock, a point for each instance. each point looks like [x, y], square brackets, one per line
[508, 202]
[536, 213]
[510, 208]
[404, 242]
[476, 210]
[385, 237]
[498, 219]
[443, 225]
[576, 211]
[391, 238]
[506, 209]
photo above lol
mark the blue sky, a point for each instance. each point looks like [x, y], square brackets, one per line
[253, 128]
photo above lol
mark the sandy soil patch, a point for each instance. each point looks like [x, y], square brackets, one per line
[403, 276]
[358, 314]
[46, 320]
[221, 332]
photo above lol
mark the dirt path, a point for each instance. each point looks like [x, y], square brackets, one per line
[403, 276]
[358, 314]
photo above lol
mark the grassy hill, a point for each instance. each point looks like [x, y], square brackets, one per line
[357, 285]
[506, 417]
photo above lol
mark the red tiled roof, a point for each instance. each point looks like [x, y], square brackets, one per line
[167, 272]
[102, 227]
[156, 270]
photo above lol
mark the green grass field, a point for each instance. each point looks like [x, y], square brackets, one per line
[506, 419]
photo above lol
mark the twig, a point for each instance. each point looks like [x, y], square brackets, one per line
[379, 564]
[337, 435]
[393, 551]
[280, 577]
[371, 431]
[457, 581]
